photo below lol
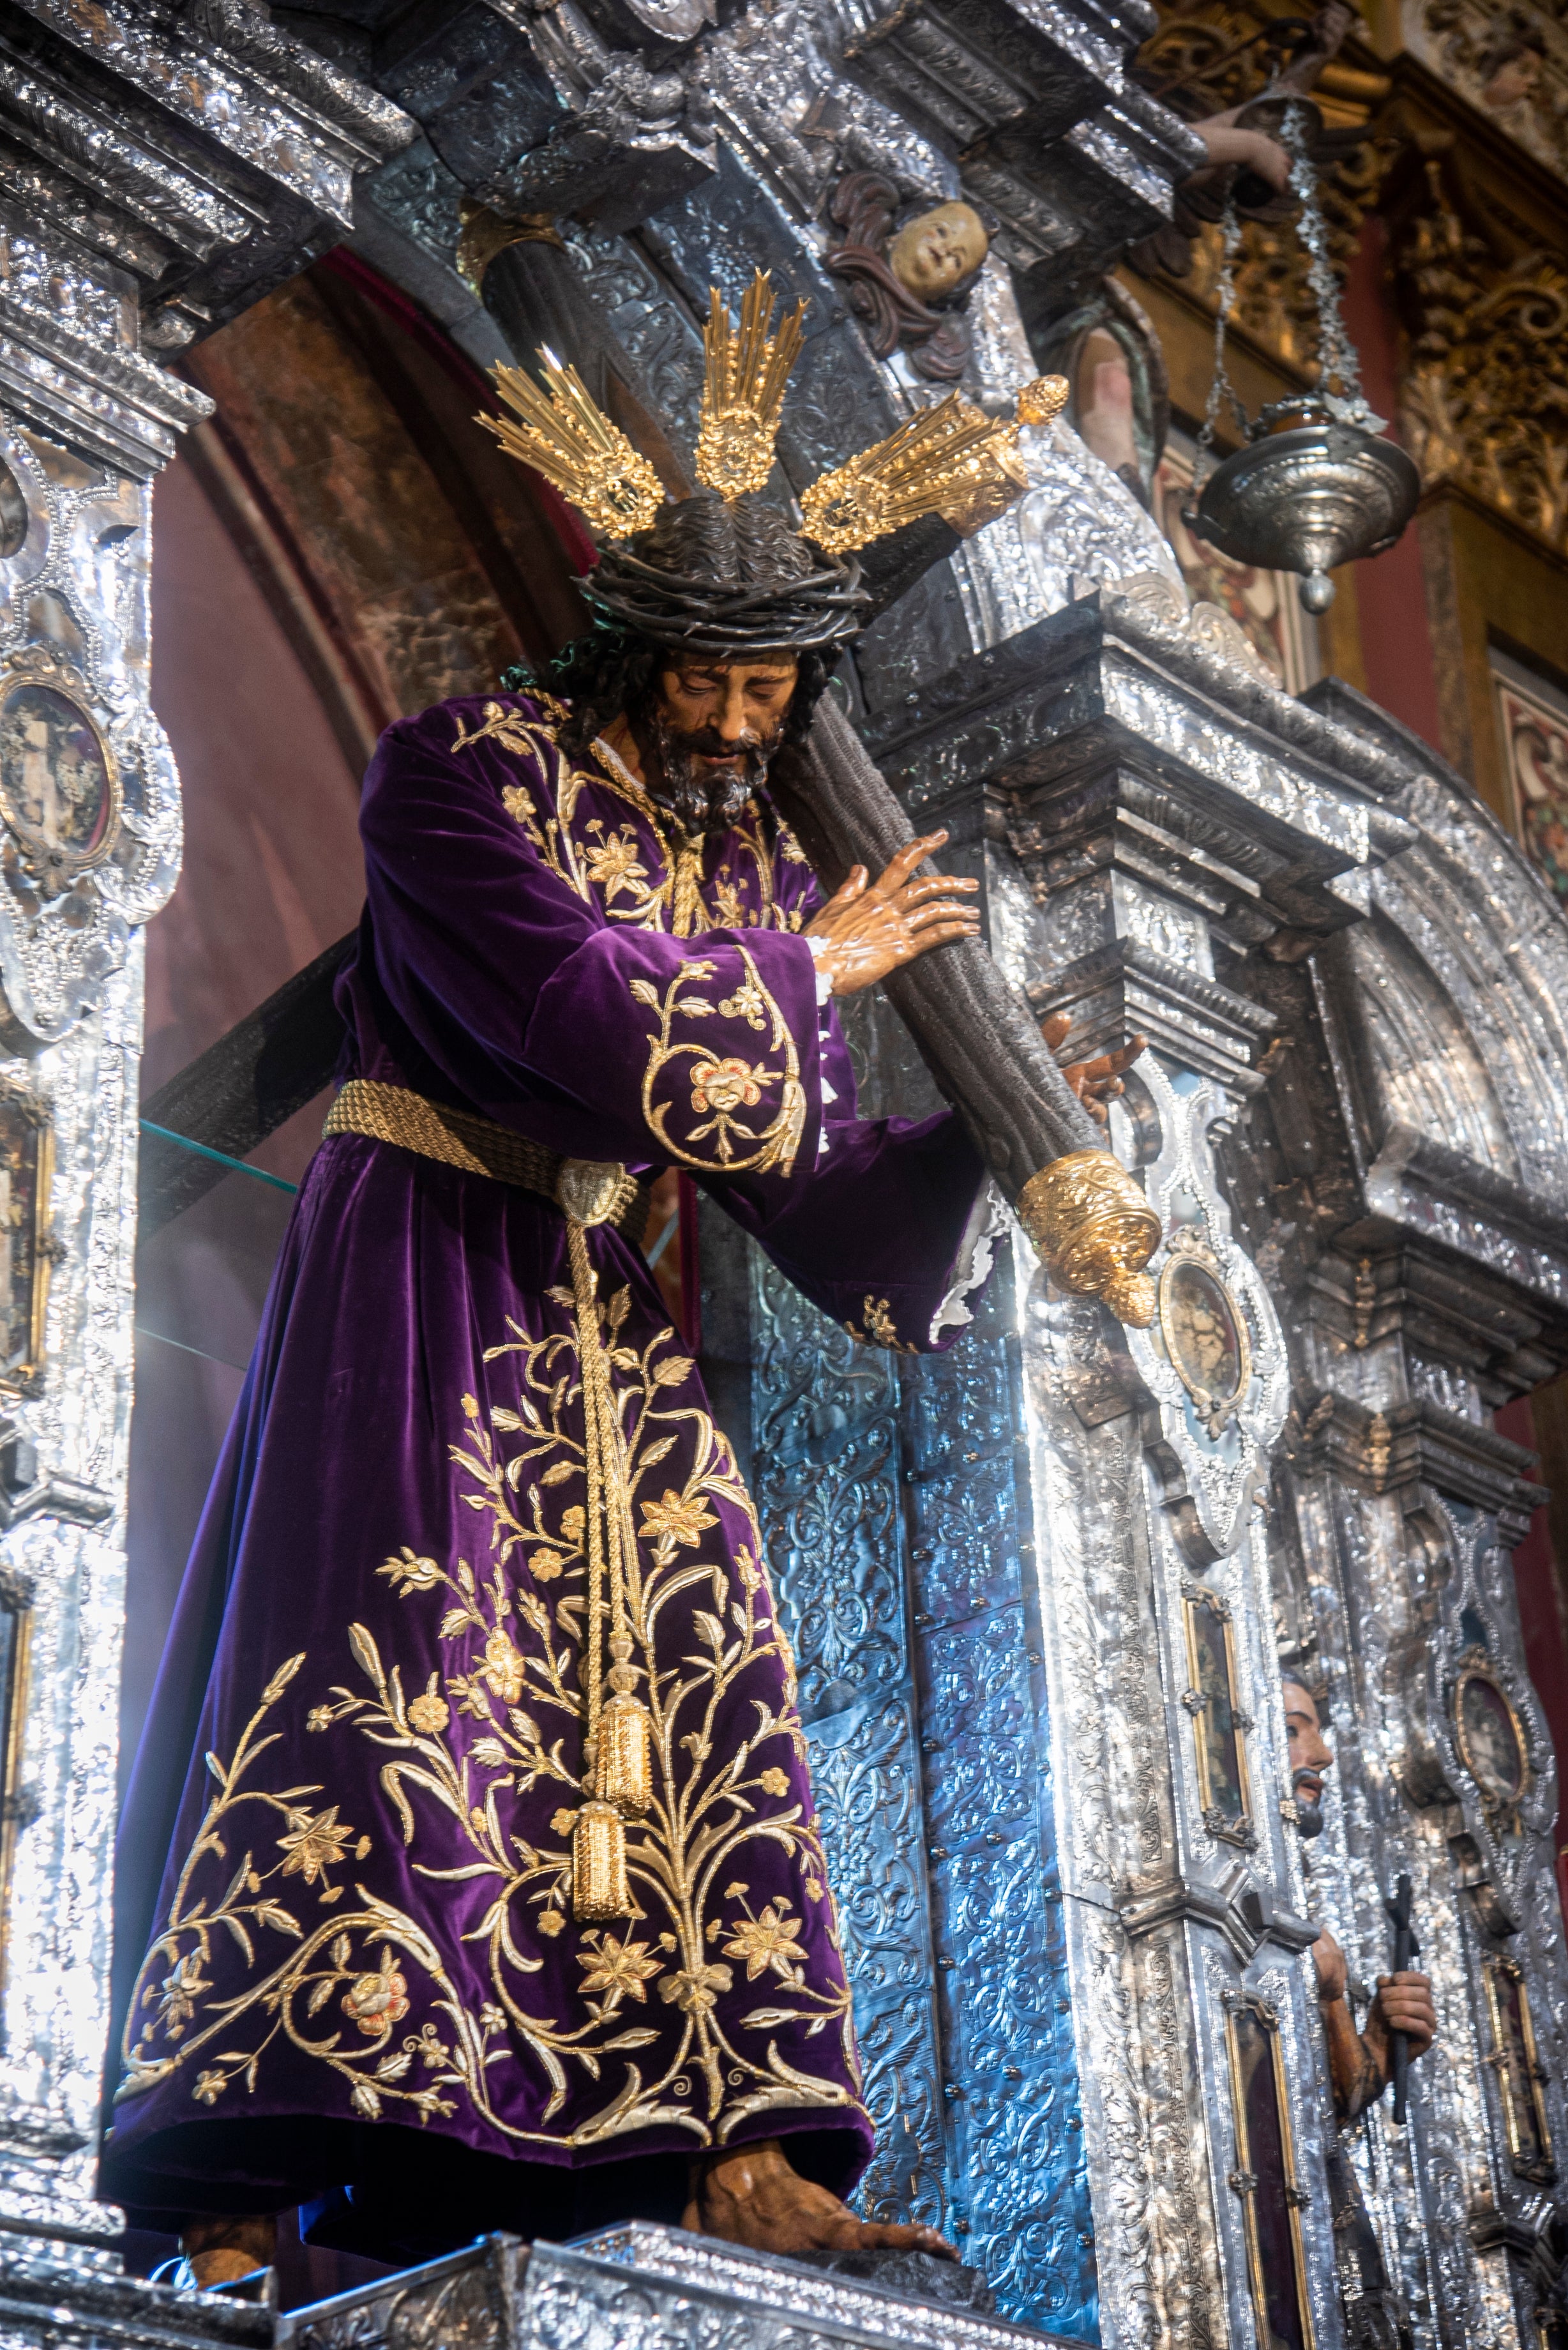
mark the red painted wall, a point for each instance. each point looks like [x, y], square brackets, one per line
[1390, 589]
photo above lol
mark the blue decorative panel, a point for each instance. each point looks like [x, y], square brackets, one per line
[888, 1489]
[826, 1475]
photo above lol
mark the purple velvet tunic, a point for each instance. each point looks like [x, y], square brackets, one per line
[365, 1915]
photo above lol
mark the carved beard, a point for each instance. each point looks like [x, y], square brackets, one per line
[1309, 1815]
[710, 799]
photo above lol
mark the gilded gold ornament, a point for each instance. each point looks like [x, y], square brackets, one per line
[623, 1773]
[590, 1190]
[917, 470]
[744, 388]
[484, 234]
[994, 478]
[565, 437]
[1094, 1232]
[1042, 402]
[599, 1887]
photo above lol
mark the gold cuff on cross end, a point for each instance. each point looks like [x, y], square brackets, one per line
[1094, 1232]
[484, 234]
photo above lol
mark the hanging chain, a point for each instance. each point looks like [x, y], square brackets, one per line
[1336, 356]
[1220, 388]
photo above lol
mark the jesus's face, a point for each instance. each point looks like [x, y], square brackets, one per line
[715, 725]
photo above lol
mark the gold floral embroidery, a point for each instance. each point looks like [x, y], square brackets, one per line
[508, 727]
[551, 837]
[729, 914]
[667, 894]
[344, 1992]
[613, 864]
[769, 1941]
[620, 1969]
[748, 1003]
[880, 1328]
[725, 1086]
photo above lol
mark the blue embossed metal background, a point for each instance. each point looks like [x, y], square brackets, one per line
[889, 1491]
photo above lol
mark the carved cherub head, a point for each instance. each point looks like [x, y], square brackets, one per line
[909, 283]
[934, 254]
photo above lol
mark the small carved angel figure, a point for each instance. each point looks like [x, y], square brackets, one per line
[910, 281]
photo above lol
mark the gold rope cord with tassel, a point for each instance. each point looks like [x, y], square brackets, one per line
[686, 893]
[617, 1742]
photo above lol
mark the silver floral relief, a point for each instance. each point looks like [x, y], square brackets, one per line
[66, 1561]
[828, 1494]
[657, 333]
[1485, 947]
[1225, 1461]
[90, 847]
[88, 788]
[1426, 2187]
[865, 1771]
[1010, 2070]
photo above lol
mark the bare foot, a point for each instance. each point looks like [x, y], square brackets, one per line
[754, 2197]
[221, 2248]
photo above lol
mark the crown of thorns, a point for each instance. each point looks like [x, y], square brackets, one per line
[761, 583]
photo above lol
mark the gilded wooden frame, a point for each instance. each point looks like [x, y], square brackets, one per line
[1512, 2091]
[1243, 2179]
[1217, 1822]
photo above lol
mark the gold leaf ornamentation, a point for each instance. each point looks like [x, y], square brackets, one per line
[744, 388]
[564, 435]
[936, 459]
[1094, 1231]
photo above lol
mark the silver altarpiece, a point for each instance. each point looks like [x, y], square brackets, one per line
[1040, 1588]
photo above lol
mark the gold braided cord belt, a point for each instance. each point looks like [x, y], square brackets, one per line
[458, 1138]
[617, 1753]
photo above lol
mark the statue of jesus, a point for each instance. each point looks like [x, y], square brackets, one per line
[492, 1891]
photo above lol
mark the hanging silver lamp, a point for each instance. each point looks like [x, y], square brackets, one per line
[1314, 484]
[1309, 491]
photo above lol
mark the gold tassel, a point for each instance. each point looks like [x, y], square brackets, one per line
[599, 1889]
[624, 1775]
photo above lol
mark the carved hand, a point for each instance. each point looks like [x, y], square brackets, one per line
[1253, 150]
[1404, 2003]
[870, 928]
[1095, 1082]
